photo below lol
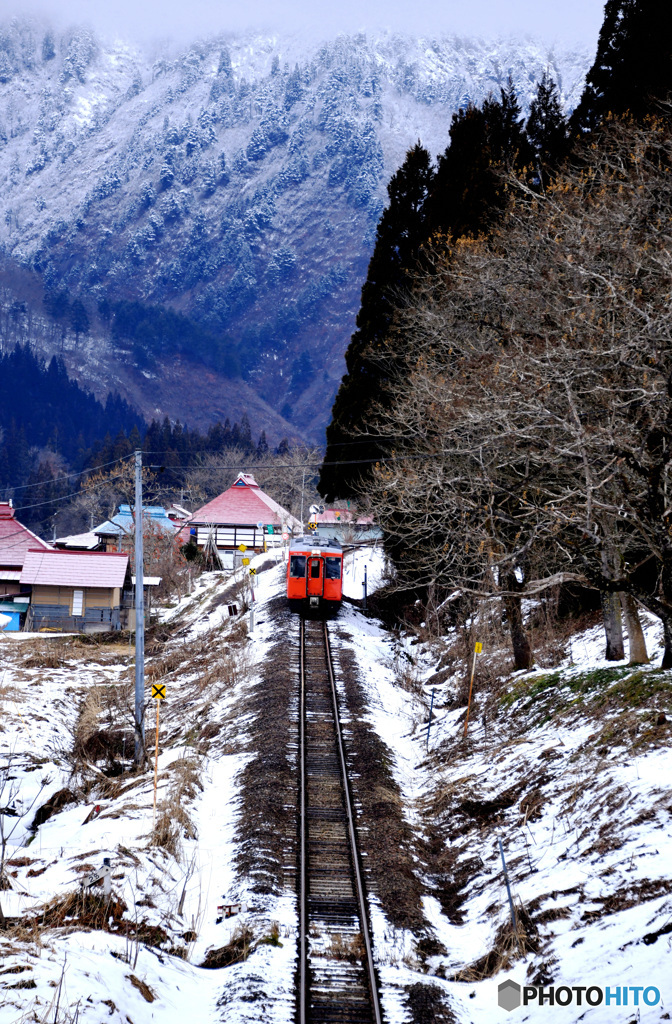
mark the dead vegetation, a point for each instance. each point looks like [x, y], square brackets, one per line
[236, 951]
[173, 822]
[510, 944]
[350, 949]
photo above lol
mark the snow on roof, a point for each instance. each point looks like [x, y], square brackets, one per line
[75, 568]
[124, 522]
[15, 539]
[245, 504]
[86, 541]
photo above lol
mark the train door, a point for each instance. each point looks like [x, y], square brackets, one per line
[315, 577]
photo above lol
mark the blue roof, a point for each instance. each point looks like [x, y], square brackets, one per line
[123, 523]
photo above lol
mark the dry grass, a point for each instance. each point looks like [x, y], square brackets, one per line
[510, 945]
[352, 950]
[173, 822]
[235, 951]
[45, 654]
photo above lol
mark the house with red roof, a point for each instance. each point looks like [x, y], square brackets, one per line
[75, 591]
[15, 542]
[241, 515]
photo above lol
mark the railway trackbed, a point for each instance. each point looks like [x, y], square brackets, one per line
[337, 980]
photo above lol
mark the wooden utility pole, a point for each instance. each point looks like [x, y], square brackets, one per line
[139, 620]
[477, 650]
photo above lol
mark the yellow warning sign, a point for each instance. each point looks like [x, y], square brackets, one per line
[242, 547]
[478, 648]
[158, 691]
[253, 572]
[246, 561]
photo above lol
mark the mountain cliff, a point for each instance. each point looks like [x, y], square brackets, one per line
[193, 228]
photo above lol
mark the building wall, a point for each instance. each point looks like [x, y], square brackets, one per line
[52, 608]
[94, 597]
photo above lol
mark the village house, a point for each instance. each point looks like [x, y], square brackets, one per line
[15, 542]
[117, 533]
[75, 591]
[242, 515]
[346, 526]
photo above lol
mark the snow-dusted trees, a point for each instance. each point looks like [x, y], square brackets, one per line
[532, 420]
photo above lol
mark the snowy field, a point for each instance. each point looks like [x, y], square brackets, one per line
[571, 771]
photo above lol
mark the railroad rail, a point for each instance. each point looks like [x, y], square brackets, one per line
[337, 980]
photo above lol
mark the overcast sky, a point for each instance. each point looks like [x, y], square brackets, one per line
[549, 20]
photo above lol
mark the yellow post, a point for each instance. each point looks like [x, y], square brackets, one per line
[477, 650]
[156, 762]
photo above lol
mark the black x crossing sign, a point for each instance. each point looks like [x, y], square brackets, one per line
[158, 691]
[253, 572]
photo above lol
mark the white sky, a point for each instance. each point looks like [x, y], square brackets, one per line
[567, 21]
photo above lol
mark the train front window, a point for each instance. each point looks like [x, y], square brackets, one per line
[315, 569]
[297, 566]
[332, 568]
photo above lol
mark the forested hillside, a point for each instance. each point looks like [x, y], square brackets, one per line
[217, 207]
[507, 411]
[41, 409]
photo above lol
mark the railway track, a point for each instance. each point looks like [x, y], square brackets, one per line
[337, 981]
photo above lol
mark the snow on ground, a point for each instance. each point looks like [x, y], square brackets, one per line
[595, 853]
[588, 854]
[107, 976]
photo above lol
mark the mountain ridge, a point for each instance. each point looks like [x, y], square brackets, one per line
[224, 184]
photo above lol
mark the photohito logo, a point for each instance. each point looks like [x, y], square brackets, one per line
[510, 995]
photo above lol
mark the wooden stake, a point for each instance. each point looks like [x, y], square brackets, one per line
[156, 762]
[477, 650]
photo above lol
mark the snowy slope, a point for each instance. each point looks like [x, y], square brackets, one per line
[240, 182]
[570, 767]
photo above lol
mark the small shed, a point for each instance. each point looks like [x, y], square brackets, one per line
[75, 591]
[243, 514]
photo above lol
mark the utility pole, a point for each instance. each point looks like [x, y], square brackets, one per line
[139, 620]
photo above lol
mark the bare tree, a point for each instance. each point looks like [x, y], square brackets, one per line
[532, 421]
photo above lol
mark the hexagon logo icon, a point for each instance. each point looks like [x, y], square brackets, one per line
[508, 995]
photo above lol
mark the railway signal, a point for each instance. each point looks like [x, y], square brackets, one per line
[159, 694]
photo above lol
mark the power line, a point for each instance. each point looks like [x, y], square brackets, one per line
[68, 476]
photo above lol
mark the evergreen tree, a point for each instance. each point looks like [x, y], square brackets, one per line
[469, 189]
[401, 231]
[79, 319]
[547, 126]
[262, 446]
[633, 65]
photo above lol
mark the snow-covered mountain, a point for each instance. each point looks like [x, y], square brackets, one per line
[238, 182]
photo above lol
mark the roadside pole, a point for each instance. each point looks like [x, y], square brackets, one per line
[158, 693]
[139, 620]
[477, 650]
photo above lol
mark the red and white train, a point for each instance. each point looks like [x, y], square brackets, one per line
[315, 573]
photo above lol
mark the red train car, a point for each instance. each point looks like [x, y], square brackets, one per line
[315, 573]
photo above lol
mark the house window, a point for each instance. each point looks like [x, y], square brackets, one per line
[77, 602]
